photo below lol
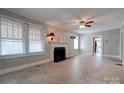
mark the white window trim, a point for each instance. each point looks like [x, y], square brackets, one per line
[78, 42]
[25, 39]
[21, 55]
[12, 18]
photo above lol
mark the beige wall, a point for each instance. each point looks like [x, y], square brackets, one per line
[62, 34]
[111, 42]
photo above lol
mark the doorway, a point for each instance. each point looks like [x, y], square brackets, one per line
[97, 46]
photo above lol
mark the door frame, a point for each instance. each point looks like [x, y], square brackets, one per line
[100, 36]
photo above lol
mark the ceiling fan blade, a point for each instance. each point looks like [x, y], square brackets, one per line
[88, 25]
[89, 22]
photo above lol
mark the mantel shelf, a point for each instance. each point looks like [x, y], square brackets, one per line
[58, 42]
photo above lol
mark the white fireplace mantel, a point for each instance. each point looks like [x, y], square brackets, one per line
[57, 44]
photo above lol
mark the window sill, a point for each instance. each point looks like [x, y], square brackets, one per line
[20, 55]
[76, 49]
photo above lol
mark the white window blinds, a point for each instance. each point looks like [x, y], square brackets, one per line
[11, 37]
[17, 37]
[36, 39]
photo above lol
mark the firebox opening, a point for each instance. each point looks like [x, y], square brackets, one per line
[59, 54]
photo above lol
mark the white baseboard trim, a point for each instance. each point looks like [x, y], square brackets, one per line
[88, 54]
[16, 68]
[123, 63]
[113, 56]
[73, 55]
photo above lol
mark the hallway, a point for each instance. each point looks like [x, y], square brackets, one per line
[98, 46]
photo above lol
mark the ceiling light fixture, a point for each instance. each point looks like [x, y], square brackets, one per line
[82, 26]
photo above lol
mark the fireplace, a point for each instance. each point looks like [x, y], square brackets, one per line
[59, 54]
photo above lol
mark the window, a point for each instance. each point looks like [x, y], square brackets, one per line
[19, 37]
[76, 43]
[35, 39]
[11, 37]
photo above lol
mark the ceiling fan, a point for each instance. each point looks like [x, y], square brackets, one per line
[83, 24]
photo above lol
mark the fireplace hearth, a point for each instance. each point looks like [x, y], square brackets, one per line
[59, 54]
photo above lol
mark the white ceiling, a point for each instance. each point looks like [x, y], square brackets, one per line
[104, 19]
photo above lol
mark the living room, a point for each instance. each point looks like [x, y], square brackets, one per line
[60, 47]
